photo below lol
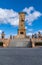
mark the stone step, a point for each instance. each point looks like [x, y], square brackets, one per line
[19, 43]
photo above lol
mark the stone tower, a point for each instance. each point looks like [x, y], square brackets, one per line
[21, 30]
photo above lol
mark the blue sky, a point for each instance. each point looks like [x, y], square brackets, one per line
[9, 19]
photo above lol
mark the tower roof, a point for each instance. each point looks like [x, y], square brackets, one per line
[22, 12]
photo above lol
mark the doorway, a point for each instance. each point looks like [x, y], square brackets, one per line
[38, 44]
[1, 44]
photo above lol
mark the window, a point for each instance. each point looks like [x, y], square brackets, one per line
[22, 20]
[21, 32]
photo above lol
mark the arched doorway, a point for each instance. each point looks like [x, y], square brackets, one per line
[1, 44]
[38, 44]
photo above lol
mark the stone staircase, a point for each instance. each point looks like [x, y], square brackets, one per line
[19, 43]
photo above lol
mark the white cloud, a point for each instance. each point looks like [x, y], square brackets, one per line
[15, 34]
[29, 34]
[28, 10]
[40, 31]
[31, 15]
[0, 31]
[9, 16]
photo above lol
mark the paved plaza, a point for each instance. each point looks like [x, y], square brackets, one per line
[21, 56]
